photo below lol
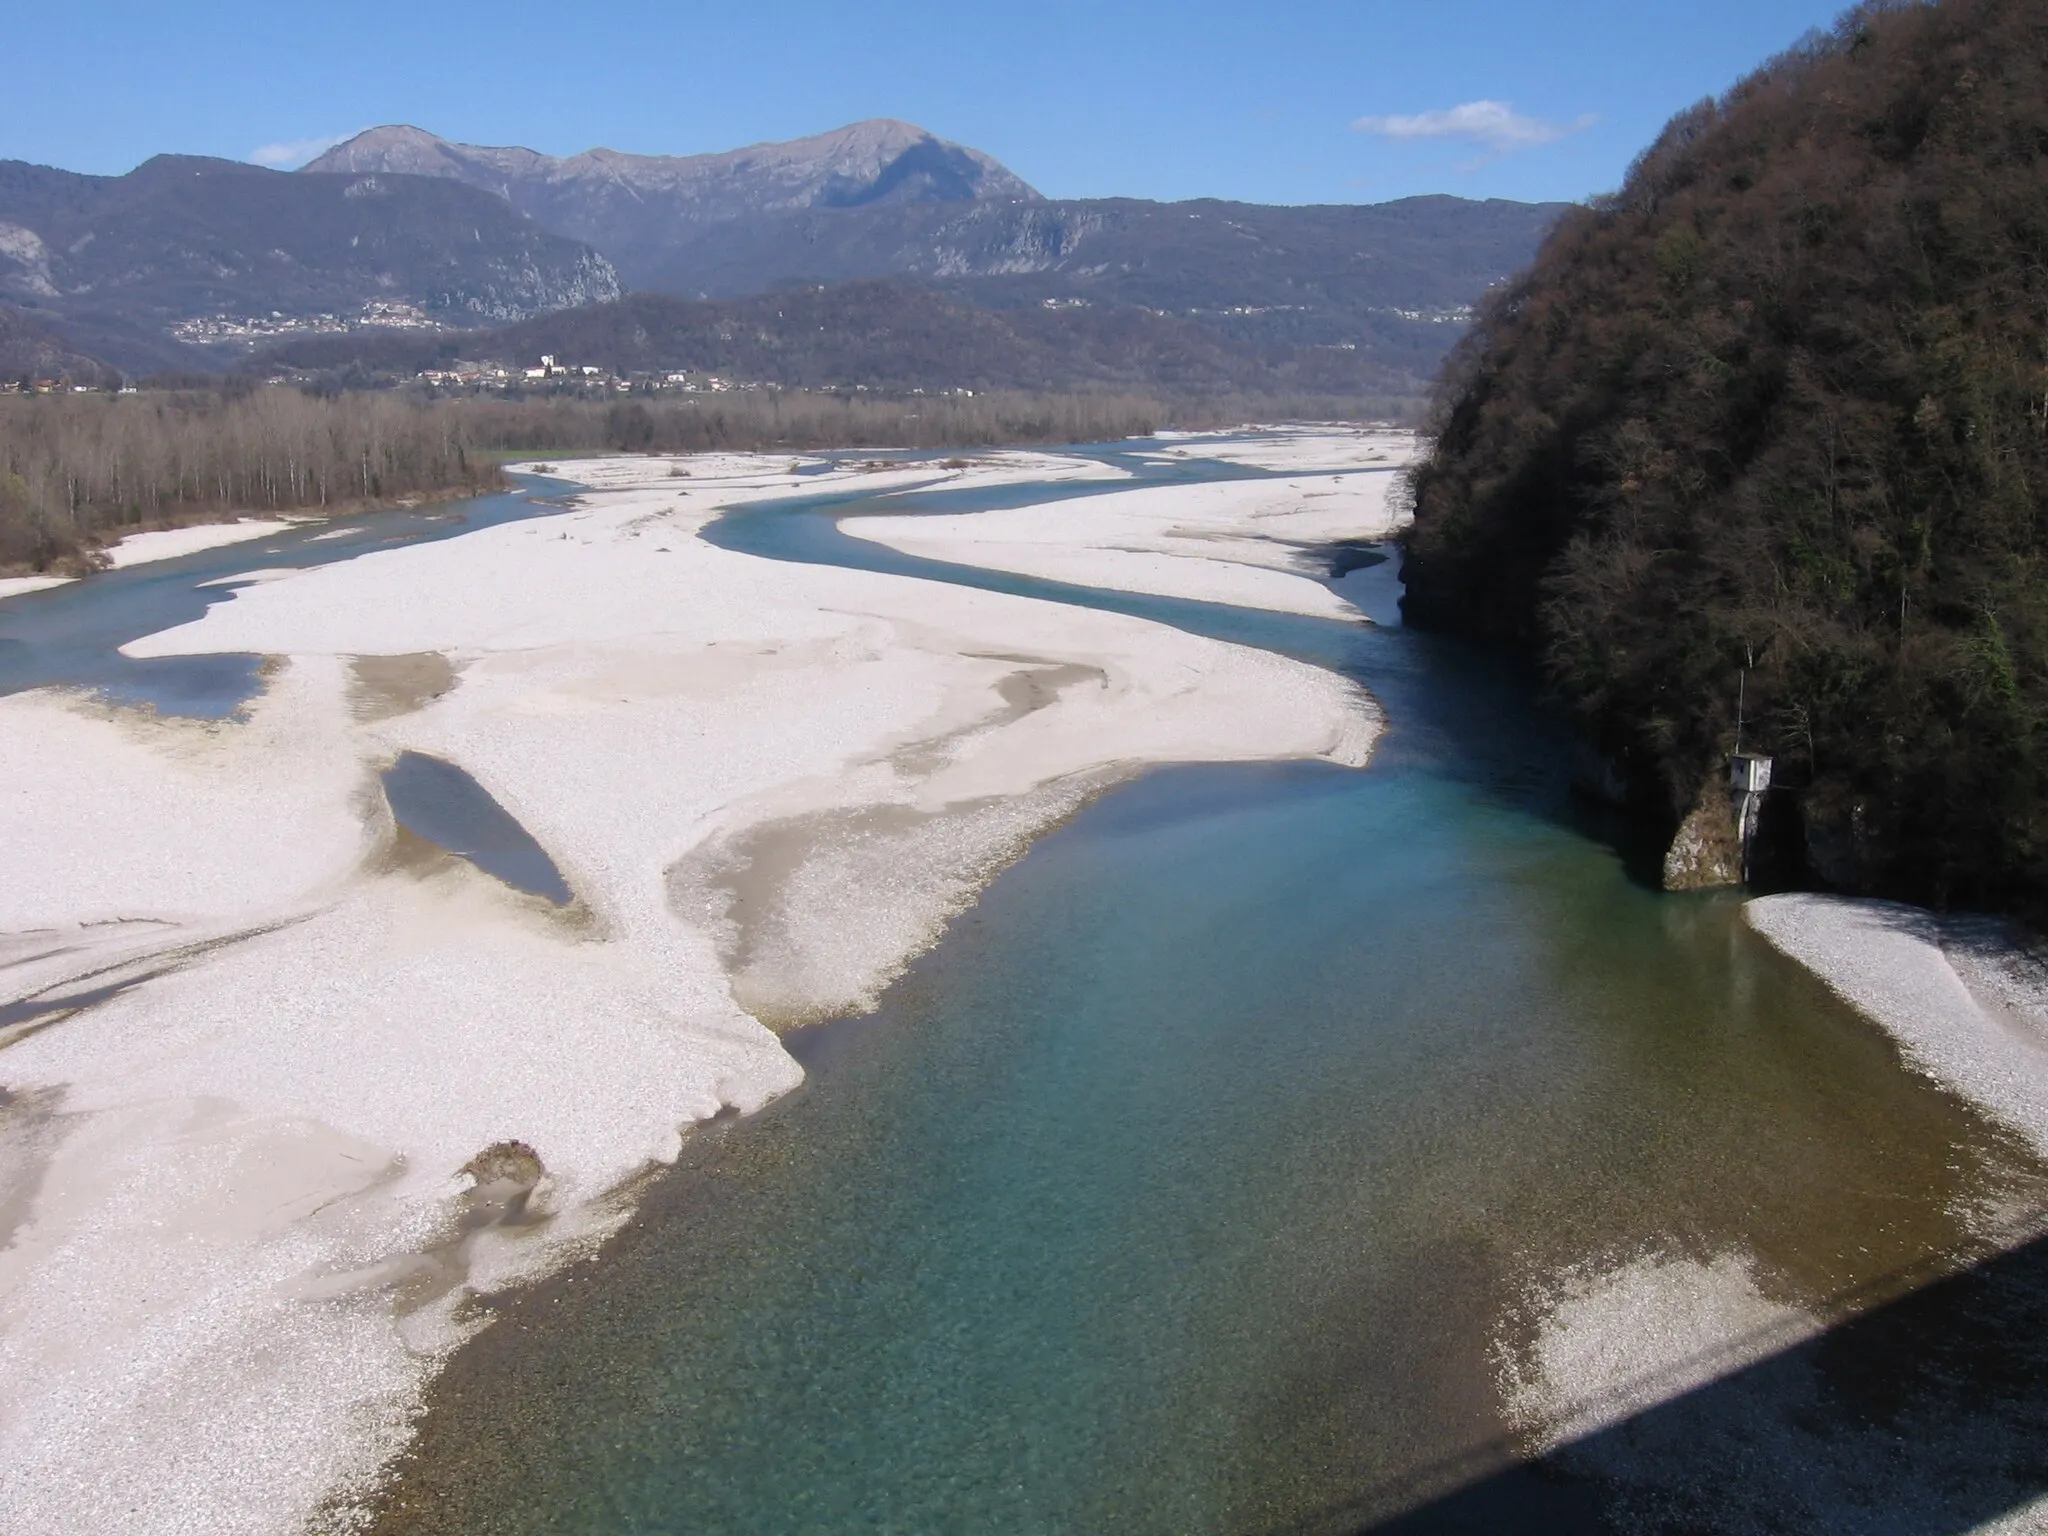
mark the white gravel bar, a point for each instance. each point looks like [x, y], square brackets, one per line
[169, 543]
[258, 1032]
[15, 586]
[1609, 1344]
[1966, 1001]
[1248, 543]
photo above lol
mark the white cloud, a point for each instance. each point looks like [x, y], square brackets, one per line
[1493, 123]
[296, 152]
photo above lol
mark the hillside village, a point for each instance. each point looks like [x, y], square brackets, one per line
[553, 376]
[548, 375]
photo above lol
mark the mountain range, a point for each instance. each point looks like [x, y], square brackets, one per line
[126, 265]
[886, 199]
[189, 262]
[635, 207]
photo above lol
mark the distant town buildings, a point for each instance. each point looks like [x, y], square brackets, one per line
[548, 374]
[554, 376]
[377, 315]
[1457, 314]
[57, 387]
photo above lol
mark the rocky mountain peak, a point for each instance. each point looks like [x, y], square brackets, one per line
[621, 199]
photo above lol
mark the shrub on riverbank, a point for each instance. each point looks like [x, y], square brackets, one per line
[1780, 407]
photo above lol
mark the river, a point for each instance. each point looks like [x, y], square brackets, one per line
[1219, 1168]
[1211, 1173]
[70, 636]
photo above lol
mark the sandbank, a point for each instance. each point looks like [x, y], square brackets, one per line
[257, 1036]
[15, 586]
[1694, 1400]
[1249, 543]
[1965, 999]
[1320, 448]
[163, 544]
[1604, 1344]
[169, 543]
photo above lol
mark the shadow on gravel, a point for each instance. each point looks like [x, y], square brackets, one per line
[1927, 1415]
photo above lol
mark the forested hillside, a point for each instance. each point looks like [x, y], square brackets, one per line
[31, 348]
[1781, 406]
[877, 335]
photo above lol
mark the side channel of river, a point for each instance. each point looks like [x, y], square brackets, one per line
[1207, 1175]
[70, 636]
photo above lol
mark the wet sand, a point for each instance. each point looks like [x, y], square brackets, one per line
[384, 686]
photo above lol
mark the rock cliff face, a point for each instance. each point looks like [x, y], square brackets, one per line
[138, 268]
[1706, 854]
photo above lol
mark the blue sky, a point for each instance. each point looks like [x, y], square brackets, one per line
[1287, 101]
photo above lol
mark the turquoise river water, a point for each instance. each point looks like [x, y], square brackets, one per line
[1205, 1175]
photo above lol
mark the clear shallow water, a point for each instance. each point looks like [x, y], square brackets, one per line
[1190, 1184]
[70, 636]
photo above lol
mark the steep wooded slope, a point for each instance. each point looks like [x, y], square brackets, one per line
[32, 349]
[876, 334]
[1782, 405]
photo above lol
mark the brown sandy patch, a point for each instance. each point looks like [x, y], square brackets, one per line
[27, 1140]
[383, 686]
[1023, 693]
